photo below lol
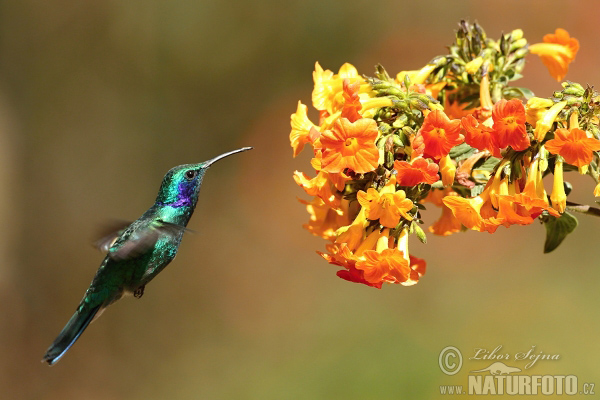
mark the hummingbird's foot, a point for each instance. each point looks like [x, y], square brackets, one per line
[139, 292]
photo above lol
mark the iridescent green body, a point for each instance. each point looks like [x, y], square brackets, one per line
[136, 254]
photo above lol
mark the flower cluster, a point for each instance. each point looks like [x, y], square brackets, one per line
[454, 134]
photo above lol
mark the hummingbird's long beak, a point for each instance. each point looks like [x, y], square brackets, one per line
[217, 158]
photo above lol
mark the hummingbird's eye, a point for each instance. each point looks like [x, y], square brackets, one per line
[191, 174]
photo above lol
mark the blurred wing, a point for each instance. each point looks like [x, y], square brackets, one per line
[108, 233]
[144, 239]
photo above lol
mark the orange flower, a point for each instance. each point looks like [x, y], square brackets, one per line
[385, 263]
[510, 212]
[324, 221]
[447, 224]
[417, 171]
[350, 145]
[574, 146]
[467, 211]
[387, 207]
[509, 124]
[480, 136]
[327, 94]
[301, 127]
[418, 267]
[475, 213]
[440, 134]
[557, 52]
[339, 254]
[352, 106]
[377, 266]
[534, 198]
[319, 186]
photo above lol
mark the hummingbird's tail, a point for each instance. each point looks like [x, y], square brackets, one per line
[70, 333]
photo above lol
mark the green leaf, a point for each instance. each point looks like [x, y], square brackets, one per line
[461, 152]
[477, 190]
[517, 92]
[488, 165]
[557, 230]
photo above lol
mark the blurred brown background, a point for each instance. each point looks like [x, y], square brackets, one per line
[98, 99]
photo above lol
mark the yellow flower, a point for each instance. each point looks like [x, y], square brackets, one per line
[448, 170]
[557, 52]
[558, 196]
[416, 77]
[535, 109]
[301, 126]
[387, 206]
[543, 126]
[328, 93]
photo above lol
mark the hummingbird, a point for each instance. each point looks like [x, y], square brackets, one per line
[138, 251]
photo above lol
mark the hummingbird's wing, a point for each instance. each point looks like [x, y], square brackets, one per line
[142, 239]
[108, 233]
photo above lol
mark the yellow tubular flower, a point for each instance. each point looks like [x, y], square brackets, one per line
[369, 243]
[448, 170]
[535, 109]
[353, 234]
[485, 98]
[416, 77]
[375, 103]
[558, 196]
[544, 125]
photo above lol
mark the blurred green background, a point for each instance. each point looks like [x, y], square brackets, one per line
[98, 99]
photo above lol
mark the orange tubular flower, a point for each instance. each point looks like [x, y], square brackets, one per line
[447, 224]
[467, 211]
[327, 94]
[557, 52]
[384, 263]
[534, 198]
[475, 213]
[510, 213]
[339, 254]
[509, 124]
[350, 145]
[480, 136]
[319, 186]
[352, 106]
[574, 146]
[301, 127]
[324, 220]
[440, 134]
[415, 172]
